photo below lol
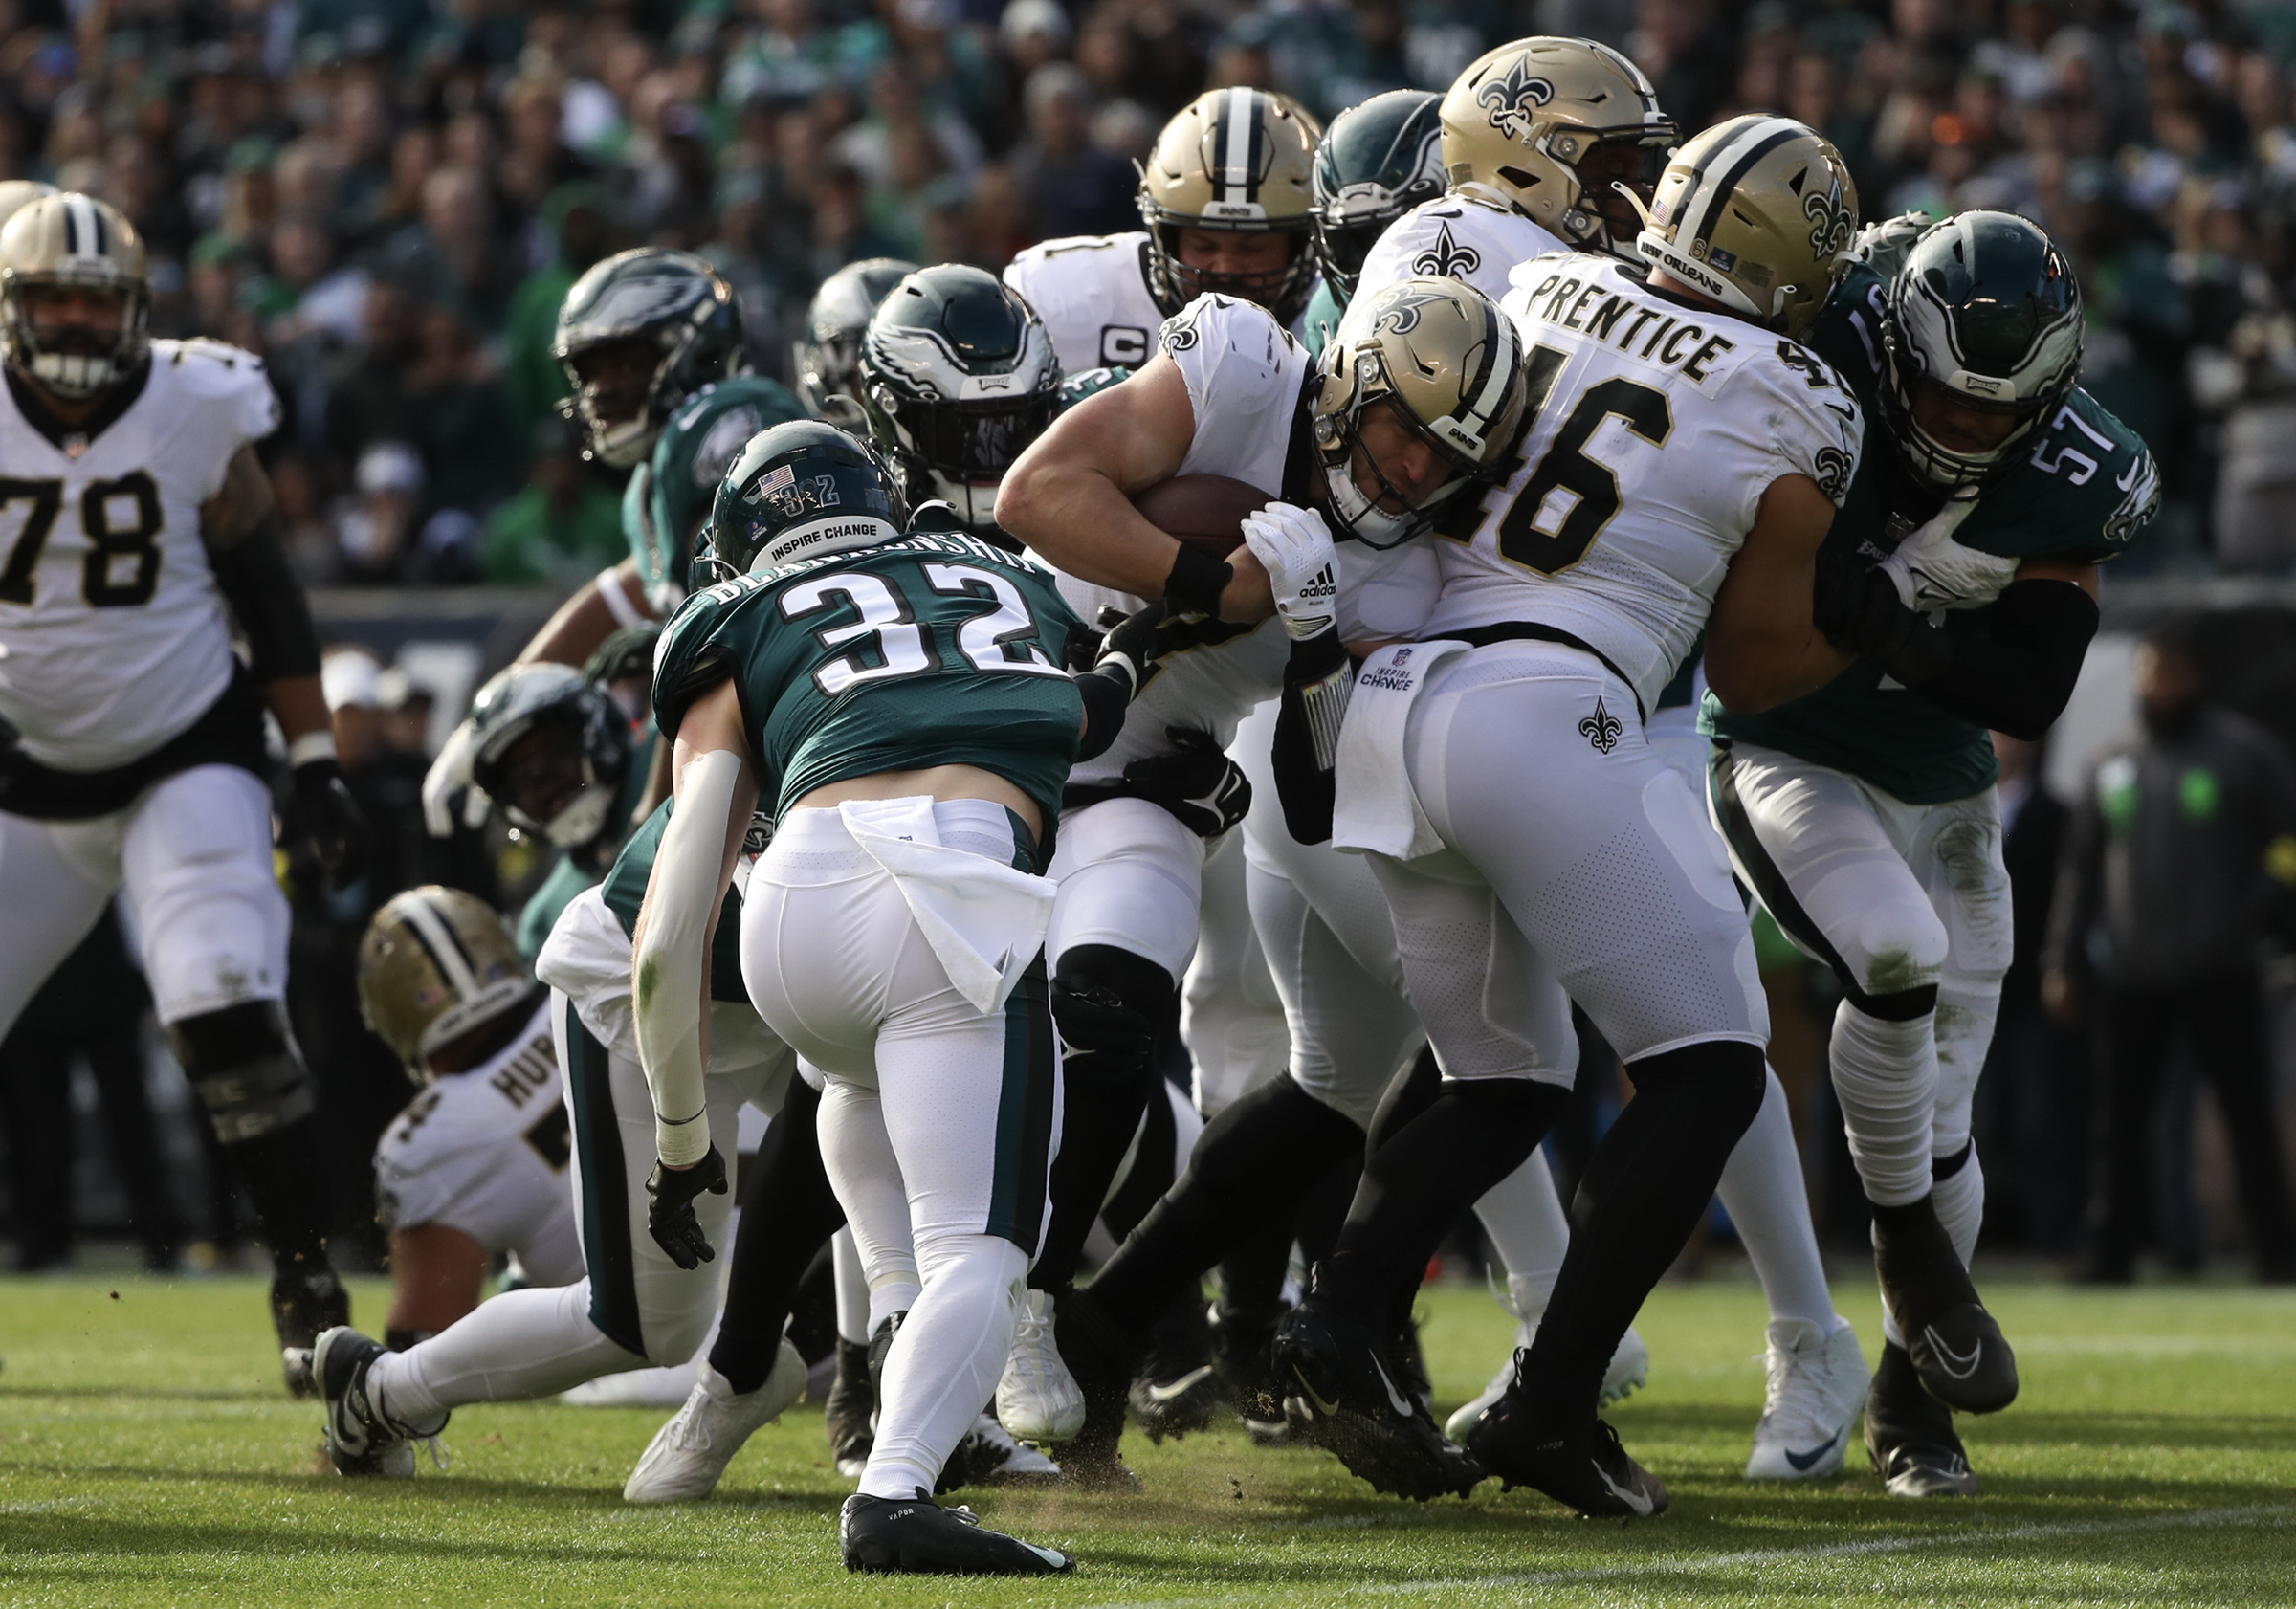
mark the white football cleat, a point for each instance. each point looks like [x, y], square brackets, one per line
[1038, 1400]
[1816, 1390]
[688, 1456]
[989, 1456]
[1629, 1365]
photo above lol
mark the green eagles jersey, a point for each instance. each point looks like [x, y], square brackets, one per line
[1320, 321]
[573, 872]
[625, 891]
[670, 494]
[938, 649]
[2082, 492]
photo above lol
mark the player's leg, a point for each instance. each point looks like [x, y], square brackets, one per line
[853, 1401]
[2227, 1021]
[55, 878]
[1827, 858]
[196, 862]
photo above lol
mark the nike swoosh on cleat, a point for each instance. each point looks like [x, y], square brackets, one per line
[1160, 1395]
[1323, 1409]
[1394, 1396]
[1634, 1500]
[1807, 1461]
[1952, 1363]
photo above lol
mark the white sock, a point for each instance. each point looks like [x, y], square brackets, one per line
[521, 1345]
[1763, 1191]
[945, 1361]
[1962, 1206]
[1886, 1079]
[1524, 1219]
[852, 1287]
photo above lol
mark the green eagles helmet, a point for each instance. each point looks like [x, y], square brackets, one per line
[673, 302]
[958, 376]
[826, 359]
[1377, 161]
[552, 748]
[805, 490]
[1986, 311]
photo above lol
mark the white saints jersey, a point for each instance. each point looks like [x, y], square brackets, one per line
[1091, 292]
[1455, 237]
[113, 635]
[1658, 425]
[486, 1151]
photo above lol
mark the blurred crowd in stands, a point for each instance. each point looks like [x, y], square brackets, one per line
[387, 199]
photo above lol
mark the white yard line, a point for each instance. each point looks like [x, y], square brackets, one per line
[1679, 1564]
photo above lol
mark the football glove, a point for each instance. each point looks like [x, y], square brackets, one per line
[1204, 789]
[1295, 547]
[670, 1217]
[328, 821]
[1932, 570]
[1134, 645]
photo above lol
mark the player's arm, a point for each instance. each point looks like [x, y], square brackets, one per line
[436, 1272]
[1069, 498]
[247, 549]
[1763, 646]
[606, 604]
[716, 788]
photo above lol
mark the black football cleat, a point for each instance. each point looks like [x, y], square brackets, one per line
[1175, 1391]
[1095, 1354]
[1909, 1434]
[851, 1410]
[1588, 1471]
[1955, 1346]
[1346, 1394]
[917, 1536]
[303, 1305]
[362, 1440]
[1243, 1339]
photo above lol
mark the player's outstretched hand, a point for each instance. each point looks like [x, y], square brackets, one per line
[329, 820]
[670, 1217]
[1207, 791]
[1294, 546]
[1135, 642]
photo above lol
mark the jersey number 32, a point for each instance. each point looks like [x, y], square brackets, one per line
[1003, 638]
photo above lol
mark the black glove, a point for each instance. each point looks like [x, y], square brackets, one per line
[1092, 1022]
[1203, 788]
[328, 820]
[1136, 643]
[669, 1219]
[1858, 608]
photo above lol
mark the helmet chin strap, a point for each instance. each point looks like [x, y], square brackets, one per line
[620, 445]
[1365, 520]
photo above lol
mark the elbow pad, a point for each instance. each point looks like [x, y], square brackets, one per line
[2017, 678]
[673, 963]
[260, 584]
[1317, 681]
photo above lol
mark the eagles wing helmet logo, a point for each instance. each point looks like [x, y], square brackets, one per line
[1400, 315]
[1446, 259]
[1510, 101]
[1601, 729]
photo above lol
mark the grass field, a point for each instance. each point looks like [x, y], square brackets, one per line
[148, 1457]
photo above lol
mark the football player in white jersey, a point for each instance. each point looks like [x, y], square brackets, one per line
[1225, 205]
[1232, 393]
[138, 524]
[476, 1165]
[1535, 136]
[1686, 462]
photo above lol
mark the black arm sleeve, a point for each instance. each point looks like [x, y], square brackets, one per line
[1305, 779]
[2017, 677]
[259, 584]
[1107, 695]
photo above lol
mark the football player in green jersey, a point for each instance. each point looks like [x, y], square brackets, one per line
[1962, 571]
[1377, 161]
[896, 703]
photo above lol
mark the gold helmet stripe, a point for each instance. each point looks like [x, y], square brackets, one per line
[1717, 176]
[438, 939]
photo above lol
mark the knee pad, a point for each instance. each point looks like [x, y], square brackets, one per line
[246, 1071]
[1719, 1083]
[1112, 1006]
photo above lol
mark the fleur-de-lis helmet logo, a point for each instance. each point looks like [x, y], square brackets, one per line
[1509, 101]
[1831, 223]
[1400, 314]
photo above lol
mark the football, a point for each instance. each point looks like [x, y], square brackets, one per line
[1204, 511]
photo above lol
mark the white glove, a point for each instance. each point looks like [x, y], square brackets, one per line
[1295, 547]
[449, 771]
[1930, 570]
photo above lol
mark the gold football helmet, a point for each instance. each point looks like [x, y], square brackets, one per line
[16, 194]
[73, 240]
[435, 964]
[1547, 125]
[1449, 368]
[1758, 213]
[1239, 160]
